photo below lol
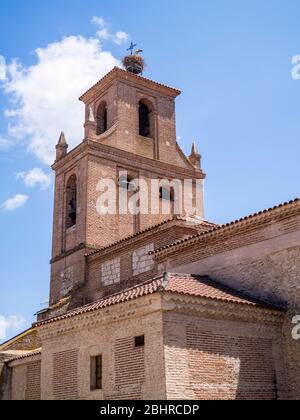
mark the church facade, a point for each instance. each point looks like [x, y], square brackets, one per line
[155, 304]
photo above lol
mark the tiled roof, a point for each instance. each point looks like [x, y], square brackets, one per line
[200, 226]
[32, 353]
[190, 285]
[128, 74]
[216, 228]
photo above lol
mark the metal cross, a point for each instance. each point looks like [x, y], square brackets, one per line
[132, 47]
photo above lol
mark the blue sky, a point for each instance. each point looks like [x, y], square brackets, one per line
[231, 59]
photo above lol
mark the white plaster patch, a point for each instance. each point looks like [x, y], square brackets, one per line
[142, 262]
[67, 281]
[111, 272]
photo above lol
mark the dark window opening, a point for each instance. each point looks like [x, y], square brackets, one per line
[166, 193]
[96, 373]
[127, 183]
[102, 119]
[71, 202]
[139, 341]
[144, 120]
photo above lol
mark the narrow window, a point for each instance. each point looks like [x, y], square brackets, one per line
[144, 120]
[102, 118]
[139, 341]
[96, 373]
[71, 196]
[127, 183]
[167, 194]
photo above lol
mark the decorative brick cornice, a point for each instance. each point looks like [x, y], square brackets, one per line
[254, 221]
[93, 148]
[190, 305]
[77, 248]
[128, 310]
[119, 74]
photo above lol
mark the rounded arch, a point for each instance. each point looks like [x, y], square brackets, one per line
[101, 118]
[146, 123]
[71, 201]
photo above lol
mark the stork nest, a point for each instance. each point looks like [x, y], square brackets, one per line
[134, 63]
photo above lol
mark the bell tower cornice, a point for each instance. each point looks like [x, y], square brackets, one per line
[118, 74]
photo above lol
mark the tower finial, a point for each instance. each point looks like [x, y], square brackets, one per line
[61, 147]
[195, 157]
[62, 139]
[134, 63]
[194, 149]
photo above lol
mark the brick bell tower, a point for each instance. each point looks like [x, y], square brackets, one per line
[129, 126]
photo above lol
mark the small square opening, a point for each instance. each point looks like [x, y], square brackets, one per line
[139, 341]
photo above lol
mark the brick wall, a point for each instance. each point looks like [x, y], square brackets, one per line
[136, 265]
[129, 367]
[92, 228]
[128, 372]
[123, 101]
[66, 273]
[209, 359]
[25, 379]
[222, 367]
[33, 381]
[65, 375]
[262, 260]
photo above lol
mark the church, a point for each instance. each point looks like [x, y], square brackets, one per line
[155, 305]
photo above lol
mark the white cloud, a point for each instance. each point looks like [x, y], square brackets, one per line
[103, 34]
[10, 324]
[44, 96]
[2, 68]
[5, 144]
[35, 177]
[15, 202]
[98, 20]
[119, 38]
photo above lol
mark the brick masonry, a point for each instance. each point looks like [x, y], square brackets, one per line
[224, 368]
[33, 381]
[129, 367]
[262, 261]
[103, 157]
[65, 375]
[194, 348]
[222, 359]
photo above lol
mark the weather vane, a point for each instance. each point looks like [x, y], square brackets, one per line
[132, 47]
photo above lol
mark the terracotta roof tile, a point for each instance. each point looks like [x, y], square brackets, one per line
[205, 287]
[216, 228]
[190, 285]
[36, 352]
[201, 226]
